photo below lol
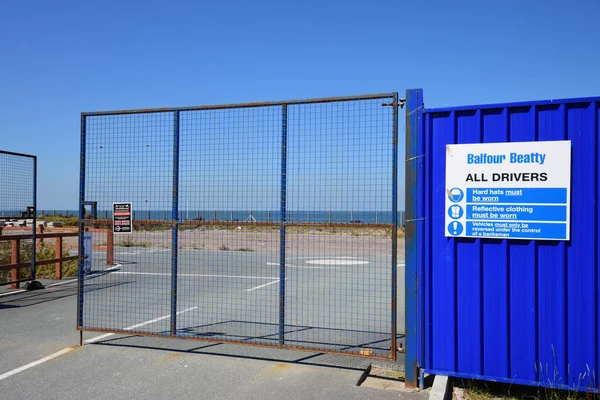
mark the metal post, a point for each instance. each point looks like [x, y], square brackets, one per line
[81, 225]
[174, 218]
[394, 227]
[376, 217]
[284, 121]
[413, 354]
[215, 216]
[34, 252]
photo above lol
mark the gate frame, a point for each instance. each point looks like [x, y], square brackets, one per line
[395, 104]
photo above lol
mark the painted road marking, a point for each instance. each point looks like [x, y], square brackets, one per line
[303, 266]
[36, 363]
[65, 282]
[196, 275]
[92, 340]
[262, 286]
[337, 262]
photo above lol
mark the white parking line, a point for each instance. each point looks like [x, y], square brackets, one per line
[304, 266]
[65, 282]
[262, 286]
[35, 363]
[92, 340]
[195, 275]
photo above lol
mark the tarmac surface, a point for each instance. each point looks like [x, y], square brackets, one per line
[331, 302]
[40, 357]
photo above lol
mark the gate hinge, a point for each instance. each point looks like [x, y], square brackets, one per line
[401, 103]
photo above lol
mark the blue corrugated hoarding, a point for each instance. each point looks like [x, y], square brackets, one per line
[509, 310]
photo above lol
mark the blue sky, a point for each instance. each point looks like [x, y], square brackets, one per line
[60, 58]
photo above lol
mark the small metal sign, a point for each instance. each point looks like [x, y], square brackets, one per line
[122, 218]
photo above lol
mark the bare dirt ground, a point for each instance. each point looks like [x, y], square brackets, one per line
[314, 240]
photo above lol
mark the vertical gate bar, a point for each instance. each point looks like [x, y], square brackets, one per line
[81, 217]
[34, 251]
[284, 121]
[174, 220]
[394, 309]
[414, 101]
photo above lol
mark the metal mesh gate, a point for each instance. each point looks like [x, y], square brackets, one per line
[261, 223]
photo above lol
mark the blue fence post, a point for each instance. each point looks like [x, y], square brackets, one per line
[81, 217]
[34, 239]
[284, 121]
[414, 102]
[175, 222]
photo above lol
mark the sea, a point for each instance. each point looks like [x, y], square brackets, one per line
[366, 217]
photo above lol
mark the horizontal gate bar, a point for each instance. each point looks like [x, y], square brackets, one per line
[243, 105]
[240, 342]
[11, 153]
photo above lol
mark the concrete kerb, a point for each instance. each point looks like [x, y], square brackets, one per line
[441, 389]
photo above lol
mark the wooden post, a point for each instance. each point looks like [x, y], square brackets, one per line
[41, 233]
[15, 259]
[110, 247]
[58, 254]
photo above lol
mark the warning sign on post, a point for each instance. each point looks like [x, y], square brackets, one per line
[509, 190]
[122, 218]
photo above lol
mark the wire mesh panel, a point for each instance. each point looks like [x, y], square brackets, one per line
[338, 259]
[228, 260]
[262, 223]
[129, 159]
[17, 215]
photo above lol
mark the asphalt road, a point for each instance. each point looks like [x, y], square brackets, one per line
[332, 302]
[39, 358]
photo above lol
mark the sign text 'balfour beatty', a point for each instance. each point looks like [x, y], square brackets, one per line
[515, 190]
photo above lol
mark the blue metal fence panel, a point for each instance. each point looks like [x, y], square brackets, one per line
[513, 310]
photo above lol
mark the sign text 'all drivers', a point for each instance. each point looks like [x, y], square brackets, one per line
[515, 190]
